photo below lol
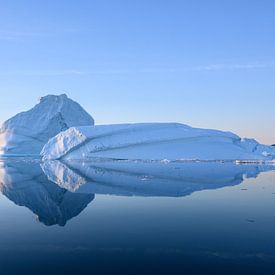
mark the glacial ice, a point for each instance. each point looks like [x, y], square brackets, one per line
[27, 132]
[62, 129]
[153, 141]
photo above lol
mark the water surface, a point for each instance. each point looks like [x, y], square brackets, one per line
[136, 217]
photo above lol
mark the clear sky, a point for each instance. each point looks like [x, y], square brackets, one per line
[205, 63]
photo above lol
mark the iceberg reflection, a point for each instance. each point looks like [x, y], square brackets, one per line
[137, 178]
[57, 191]
[24, 183]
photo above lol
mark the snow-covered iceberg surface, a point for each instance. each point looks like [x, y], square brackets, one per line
[138, 178]
[153, 141]
[27, 132]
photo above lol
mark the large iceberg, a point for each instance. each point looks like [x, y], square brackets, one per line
[153, 141]
[27, 132]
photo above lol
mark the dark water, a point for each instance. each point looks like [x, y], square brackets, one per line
[117, 217]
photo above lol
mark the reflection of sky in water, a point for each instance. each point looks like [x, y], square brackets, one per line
[228, 228]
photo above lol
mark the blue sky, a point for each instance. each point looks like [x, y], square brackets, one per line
[205, 63]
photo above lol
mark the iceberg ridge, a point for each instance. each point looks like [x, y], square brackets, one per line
[27, 132]
[153, 141]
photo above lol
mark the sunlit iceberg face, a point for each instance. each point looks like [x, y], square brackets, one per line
[153, 141]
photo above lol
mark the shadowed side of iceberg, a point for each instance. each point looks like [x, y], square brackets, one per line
[27, 132]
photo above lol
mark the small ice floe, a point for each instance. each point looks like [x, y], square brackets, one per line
[165, 161]
[146, 178]
[249, 161]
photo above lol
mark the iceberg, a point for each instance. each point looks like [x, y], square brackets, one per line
[153, 141]
[27, 132]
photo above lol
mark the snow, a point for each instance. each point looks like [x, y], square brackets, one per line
[59, 128]
[27, 132]
[153, 141]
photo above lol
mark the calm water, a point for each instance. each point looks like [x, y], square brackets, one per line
[133, 217]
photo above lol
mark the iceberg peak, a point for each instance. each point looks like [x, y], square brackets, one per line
[52, 97]
[27, 132]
